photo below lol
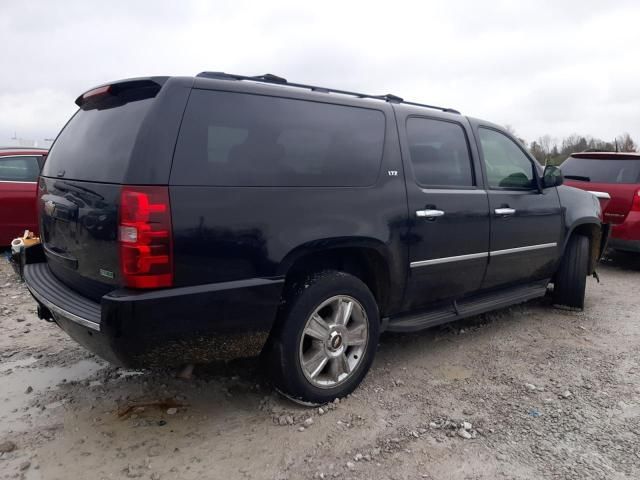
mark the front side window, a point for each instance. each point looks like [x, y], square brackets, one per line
[19, 169]
[237, 139]
[506, 164]
[439, 153]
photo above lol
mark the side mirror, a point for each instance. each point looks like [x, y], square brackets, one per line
[552, 177]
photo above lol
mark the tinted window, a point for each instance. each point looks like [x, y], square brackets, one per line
[507, 165]
[252, 140]
[602, 170]
[19, 169]
[96, 144]
[439, 153]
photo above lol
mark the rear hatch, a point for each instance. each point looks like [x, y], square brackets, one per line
[81, 184]
[617, 174]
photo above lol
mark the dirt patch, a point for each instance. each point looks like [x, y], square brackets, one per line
[526, 392]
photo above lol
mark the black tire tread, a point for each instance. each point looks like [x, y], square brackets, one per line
[571, 278]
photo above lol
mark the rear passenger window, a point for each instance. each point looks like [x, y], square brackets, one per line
[439, 153]
[19, 169]
[237, 139]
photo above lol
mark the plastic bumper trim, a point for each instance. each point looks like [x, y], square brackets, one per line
[59, 311]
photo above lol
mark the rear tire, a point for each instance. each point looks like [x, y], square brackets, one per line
[325, 338]
[571, 277]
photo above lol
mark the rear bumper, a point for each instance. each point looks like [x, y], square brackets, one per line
[627, 245]
[626, 236]
[162, 327]
[59, 299]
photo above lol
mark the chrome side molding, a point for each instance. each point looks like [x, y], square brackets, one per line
[458, 258]
[473, 256]
[528, 248]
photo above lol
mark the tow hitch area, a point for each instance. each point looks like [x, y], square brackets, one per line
[44, 313]
[24, 250]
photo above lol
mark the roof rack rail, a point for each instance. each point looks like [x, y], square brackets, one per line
[274, 79]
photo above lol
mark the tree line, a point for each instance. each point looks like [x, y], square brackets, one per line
[552, 151]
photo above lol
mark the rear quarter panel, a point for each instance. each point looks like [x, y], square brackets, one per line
[233, 233]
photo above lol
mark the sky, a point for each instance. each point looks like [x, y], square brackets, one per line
[543, 67]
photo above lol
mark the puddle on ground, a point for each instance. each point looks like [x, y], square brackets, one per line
[454, 372]
[13, 396]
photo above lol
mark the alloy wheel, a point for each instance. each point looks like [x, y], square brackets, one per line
[334, 341]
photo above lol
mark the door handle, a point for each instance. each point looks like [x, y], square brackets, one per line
[429, 213]
[505, 211]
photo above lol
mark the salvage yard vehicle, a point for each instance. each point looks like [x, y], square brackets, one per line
[187, 219]
[615, 176]
[19, 169]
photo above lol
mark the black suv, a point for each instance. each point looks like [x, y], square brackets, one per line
[186, 219]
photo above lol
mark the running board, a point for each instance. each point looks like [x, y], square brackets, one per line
[465, 308]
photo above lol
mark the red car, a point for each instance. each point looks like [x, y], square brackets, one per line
[19, 170]
[616, 174]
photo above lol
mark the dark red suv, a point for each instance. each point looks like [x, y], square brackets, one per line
[616, 174]
[19, 170]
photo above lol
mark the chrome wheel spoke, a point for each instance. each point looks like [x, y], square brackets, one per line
[339, 366]
[343, 312]
[317, 328]
[316, 363]
[356, 336]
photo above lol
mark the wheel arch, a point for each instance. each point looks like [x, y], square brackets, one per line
[582, 217]
[594, 232]
[364, 258]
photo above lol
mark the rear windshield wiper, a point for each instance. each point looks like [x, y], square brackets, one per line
[66, 187]
[577, 177]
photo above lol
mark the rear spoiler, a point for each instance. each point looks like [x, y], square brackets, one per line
[120, 92]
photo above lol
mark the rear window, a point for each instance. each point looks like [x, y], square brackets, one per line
[233, 139]
[19, 169]
[96, 144]
[601, 170]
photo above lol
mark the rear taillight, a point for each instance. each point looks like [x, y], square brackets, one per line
[635, 206]
[145, 237]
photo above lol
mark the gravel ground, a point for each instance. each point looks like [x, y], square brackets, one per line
[525, 392]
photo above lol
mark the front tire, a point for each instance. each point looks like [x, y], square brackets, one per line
[571, 278]
[325, 339]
